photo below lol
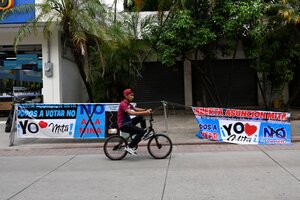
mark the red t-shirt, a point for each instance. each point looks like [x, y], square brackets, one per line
[123, 116]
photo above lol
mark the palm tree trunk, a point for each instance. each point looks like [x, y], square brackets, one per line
[78, 60]
[86, 83]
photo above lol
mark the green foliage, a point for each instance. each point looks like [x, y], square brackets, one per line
[178, 35]
[120, 67]
[238, 18]
[288, 10]
[121, 70]
[275, 45]
[279, 56]
[199, 25]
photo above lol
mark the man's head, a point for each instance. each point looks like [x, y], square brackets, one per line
[128, 94]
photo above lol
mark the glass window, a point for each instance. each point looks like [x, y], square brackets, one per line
[21, 69]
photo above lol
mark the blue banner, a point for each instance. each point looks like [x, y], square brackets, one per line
[243, 126]
[66, 120]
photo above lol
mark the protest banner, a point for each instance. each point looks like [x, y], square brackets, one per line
[243, 126]
[66, 120]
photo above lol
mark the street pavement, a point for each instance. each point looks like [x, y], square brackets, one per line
[218, 172]
[40, 169]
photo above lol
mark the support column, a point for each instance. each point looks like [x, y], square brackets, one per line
[188, 89]
[52, 85]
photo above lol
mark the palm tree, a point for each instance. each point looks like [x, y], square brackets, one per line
[80, 21]
[290, 10]
[122, 65]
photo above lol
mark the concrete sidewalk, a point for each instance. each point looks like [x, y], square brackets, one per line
[180, 126]
[205, 175]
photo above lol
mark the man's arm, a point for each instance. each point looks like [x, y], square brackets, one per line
[139, 111]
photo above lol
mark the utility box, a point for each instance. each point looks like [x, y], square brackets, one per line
[48, 69]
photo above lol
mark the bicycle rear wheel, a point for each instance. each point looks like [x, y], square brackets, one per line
[114, 147]
[160, 146]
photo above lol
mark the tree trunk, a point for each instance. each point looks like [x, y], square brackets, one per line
[263, 92]
[208, 86]
[293, 96]
[230, 74]
[78, 60]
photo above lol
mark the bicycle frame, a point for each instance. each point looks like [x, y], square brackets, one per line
[149, 129]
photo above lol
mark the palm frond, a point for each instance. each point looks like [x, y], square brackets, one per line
[24, 31]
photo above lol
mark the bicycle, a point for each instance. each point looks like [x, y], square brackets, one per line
[159, 145]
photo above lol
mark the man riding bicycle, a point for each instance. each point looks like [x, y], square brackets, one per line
[128, 124]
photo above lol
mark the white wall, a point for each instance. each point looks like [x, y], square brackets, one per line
[51, 85]
[8, 33]
[73, 89]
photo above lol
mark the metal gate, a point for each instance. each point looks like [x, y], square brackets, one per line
[158, 83]
[234, 82]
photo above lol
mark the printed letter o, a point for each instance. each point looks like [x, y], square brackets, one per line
[238, 127]
[35, 128]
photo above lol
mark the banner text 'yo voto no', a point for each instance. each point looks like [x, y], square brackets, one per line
[66, 120]
[243, 126]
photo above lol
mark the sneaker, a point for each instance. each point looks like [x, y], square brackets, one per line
[147, 135]
[130, 151]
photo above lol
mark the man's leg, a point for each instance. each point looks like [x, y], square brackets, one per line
[139, 119]
[134, 130]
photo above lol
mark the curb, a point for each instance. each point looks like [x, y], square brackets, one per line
[296, 139]
[100, 145]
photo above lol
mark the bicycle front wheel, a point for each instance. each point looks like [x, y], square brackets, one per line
[160, 146]
[114, 147]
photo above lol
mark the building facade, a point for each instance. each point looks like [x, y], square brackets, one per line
[39, 64]
[46, 66]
